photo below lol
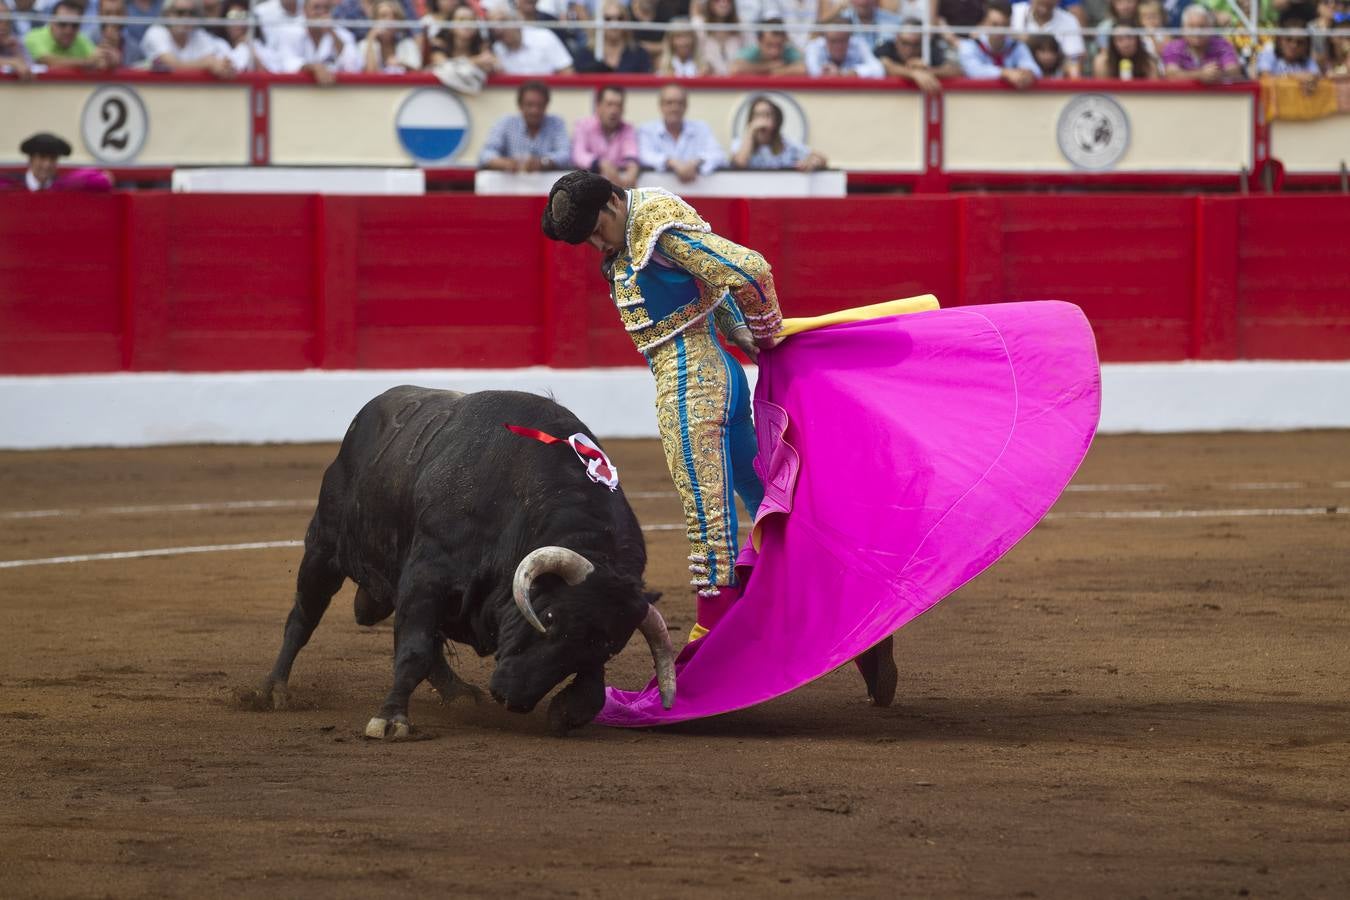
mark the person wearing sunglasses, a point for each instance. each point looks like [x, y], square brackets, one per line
[60, 45]
[1290, 54]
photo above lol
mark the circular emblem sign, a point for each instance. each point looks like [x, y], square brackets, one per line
[1093, 132]
[794, 120]
[114, 124]
[432, 125]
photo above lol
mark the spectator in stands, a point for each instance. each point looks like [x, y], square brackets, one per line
[1338, 45]
[25, 19]
[772, 54]
[903, 58]
[991, 55]
[533, 141]
[463, 39]
[604, 143]
[1117, 11]
[248, 51]
[1153, 18]
[113, 36]
[1045, 17]
[762, 144]
[619, 51]
[1290, 54]
[389, 48]
[147, 12]
[654, 12]
[530, 50]
[59, 44]
[438, 13]
[720, 47]
[960, 14]
[320, 51]
[14, 58]
[1048, 55]
[673, 143]
[1124, 57]
[182, 47]
[799, 17]
[839, 53]
[213, 9]
[878, 25]
[44, 152]
[272, 15]
[1202, 57]
[1320, 26]
[682, 53]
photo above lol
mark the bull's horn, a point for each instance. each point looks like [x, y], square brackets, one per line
[653, 628]
[568, 565]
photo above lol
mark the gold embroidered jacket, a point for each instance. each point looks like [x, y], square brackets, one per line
[674, 272]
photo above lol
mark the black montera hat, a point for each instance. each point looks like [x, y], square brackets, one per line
[44, 144]
[574, 205]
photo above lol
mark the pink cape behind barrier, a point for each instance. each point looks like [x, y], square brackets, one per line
[901, 456]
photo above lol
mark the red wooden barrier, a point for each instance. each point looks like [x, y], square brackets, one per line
[154, 281]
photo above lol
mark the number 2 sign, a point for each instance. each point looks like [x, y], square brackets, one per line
[114, 124]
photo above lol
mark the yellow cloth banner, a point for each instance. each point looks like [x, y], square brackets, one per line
[1297, 100]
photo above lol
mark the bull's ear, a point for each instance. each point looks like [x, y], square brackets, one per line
[651, 597]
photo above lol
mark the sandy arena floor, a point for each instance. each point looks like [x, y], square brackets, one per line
[1151, 704]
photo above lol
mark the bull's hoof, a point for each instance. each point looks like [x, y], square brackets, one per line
[454, 688]
[266, 696]
[396, 729]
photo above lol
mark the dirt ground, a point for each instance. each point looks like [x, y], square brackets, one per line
[1150, 704]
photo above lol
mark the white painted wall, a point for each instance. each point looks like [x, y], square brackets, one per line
[128, 410]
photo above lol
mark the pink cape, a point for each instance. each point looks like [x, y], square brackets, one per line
[901, 457]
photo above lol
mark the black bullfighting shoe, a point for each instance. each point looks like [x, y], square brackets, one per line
[878, 670]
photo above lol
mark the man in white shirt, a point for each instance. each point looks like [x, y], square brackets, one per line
[318, 50]
[1046, 17]
[275, 13]
[529, 50]
[675, 144]
[180, 47]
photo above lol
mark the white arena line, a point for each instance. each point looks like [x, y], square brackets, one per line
[138, 554]
[667, 526]
[1203, 513]
[308, 503]
[158, 508]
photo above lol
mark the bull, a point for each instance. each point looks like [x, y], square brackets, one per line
[467, 532]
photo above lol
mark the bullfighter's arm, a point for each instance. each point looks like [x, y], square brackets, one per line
[727, 266]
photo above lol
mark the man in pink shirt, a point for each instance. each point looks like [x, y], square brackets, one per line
[604, 143]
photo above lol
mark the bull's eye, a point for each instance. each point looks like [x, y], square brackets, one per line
[548, 617]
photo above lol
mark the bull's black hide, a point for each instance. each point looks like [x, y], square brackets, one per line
[430, 507]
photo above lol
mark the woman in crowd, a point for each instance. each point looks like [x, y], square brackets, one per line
[1153, 18]
[618, 50]
[762, 144]
[652, 12]
[462, 39]
[682, 52]
[1117, 11]
[14, 56]
[438, 13]
[1290, 54]
[1338, 46]
[248, 52]
[1048, 54]
[720, 47]
[388, 47]
[1124, 49]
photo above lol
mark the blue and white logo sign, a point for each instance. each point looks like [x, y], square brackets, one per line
[432, 125]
